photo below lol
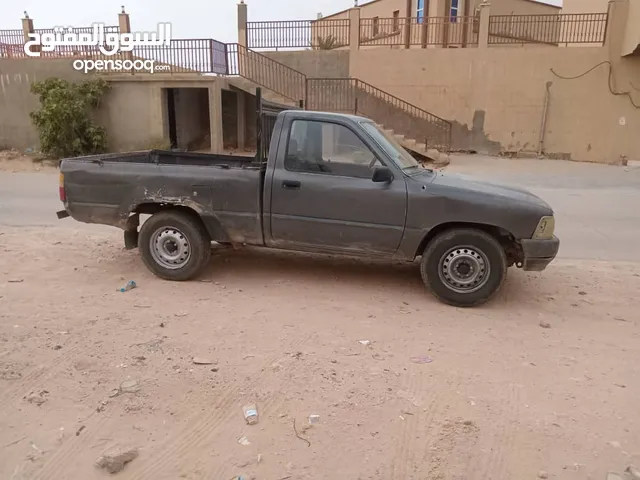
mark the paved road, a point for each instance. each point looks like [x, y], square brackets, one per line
[597, 206]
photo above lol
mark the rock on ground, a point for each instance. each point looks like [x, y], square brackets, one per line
[115, 460]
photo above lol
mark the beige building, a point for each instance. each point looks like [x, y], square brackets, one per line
[585, 6]
[433, 23]
[577, 103]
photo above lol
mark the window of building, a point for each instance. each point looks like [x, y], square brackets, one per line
[453, 12]
[328, 148]
[420, 10]
[376, 26]
[396, 20]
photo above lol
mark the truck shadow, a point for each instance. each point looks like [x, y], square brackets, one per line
[269, 267]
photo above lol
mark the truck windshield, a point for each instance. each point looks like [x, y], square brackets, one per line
[400, 156]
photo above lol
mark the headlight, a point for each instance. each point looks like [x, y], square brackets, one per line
[545, 228]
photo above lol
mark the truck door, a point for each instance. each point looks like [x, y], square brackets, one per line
[323, 196]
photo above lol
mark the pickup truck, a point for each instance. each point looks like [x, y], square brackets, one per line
[329, 183]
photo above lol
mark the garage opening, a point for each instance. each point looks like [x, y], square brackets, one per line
[189, 124]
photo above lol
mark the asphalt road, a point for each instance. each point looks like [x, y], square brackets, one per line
[597, 206]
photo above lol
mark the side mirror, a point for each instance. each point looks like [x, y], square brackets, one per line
[382, 175]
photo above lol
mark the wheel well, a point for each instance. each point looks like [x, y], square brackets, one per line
[506, 239]
[212, 227]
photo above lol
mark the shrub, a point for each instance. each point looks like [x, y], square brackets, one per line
[65, 121]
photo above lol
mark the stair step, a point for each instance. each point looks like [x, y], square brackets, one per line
[250, 87]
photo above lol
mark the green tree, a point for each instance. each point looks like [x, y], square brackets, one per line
[65, 118]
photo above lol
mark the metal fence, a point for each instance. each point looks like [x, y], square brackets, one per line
[316, 34]
[560, 29]
[11, 43]
[266, 72]
[397, 31]
[350, 95]
[186, 55]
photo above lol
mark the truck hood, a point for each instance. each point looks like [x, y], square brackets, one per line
[502, 193]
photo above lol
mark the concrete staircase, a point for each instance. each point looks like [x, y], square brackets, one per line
[424, 155]
[240, 83]
[419, 131]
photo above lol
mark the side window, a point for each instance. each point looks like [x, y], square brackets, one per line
[328, 148]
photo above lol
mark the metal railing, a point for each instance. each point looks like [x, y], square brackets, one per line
[186, 55]
[264, 71]
[350, 95]
[560, 29]
[397, 31]
[12, 37]
[316, 34]
[12, 43]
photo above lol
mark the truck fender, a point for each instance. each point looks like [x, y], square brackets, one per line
[212, 224]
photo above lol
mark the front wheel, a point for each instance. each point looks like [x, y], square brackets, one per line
[174, 245]
[464, 267]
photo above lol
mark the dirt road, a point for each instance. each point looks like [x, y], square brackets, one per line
[500, 398]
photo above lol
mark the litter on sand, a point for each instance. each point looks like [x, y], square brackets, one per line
[422, 359]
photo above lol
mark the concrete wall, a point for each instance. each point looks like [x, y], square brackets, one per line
[519, 7]
[133, 115]
[496, 96]
[16, 100]
[315, 63]
[585, 6]
[134, 111]
[631, 40]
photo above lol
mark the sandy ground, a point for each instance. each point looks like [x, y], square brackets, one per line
[502, 397]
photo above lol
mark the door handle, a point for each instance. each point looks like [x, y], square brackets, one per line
[291, 184]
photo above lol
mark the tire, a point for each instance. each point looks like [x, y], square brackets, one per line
[445, 275]
[174, 245]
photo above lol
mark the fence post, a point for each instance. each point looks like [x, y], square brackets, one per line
[125, 27]
[354, 28]
[123, 22]
[27, 28]
[407, 24]
[483, 33]
[242, 24]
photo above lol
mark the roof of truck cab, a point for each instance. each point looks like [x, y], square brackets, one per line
[310, 113]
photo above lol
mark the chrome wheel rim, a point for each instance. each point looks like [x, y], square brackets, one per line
[464, 269]
[170, 248]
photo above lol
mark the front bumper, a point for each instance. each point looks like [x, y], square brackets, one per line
[537, 254]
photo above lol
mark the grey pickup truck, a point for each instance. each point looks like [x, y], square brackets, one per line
[327, 183]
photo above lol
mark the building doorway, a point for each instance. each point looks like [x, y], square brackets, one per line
[187, 118]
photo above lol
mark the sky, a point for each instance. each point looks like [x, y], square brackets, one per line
[189, 18]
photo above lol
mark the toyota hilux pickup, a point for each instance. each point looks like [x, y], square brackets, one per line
[328, 183]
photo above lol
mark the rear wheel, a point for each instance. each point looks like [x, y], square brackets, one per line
[174, 245]
[464, 267]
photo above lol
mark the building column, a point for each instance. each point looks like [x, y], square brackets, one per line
[123, 22]
[125, 27]
[215, 117]
[354, 28]
[242, 23]
[616, 26]
[483, 33]
[27, 28]
[241, 115]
